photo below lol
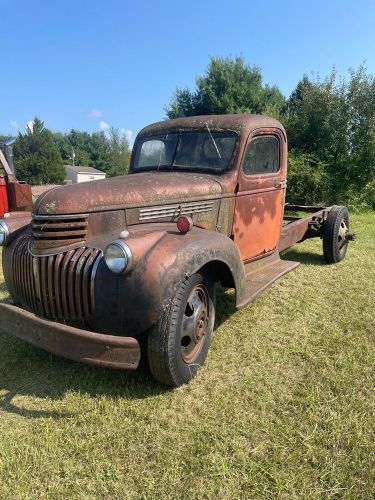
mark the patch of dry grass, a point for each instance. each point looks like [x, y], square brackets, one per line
[283, 408]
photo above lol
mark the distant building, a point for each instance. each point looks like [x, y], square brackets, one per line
[76, 174]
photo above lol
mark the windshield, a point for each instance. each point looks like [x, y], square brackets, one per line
[203, 150]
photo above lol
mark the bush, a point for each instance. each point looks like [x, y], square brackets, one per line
[370, 194]
[307, 179]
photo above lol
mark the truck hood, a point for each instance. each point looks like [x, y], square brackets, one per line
[141, 189]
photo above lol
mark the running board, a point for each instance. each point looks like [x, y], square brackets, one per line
[259, 280]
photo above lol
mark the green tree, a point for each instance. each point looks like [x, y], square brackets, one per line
[307, 179]
[108, 152]
[37, 159]
[361, 100]
[119, 152]
[97, 147]
[89, 149]
[62, 143]
[81, 157]
[228, 86]
[332, 121]
[316, 123]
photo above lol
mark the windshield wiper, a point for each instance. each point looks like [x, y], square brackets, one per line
[213, 140]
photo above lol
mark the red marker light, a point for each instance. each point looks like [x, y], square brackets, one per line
[184, 224]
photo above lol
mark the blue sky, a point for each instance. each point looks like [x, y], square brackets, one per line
[88, 64]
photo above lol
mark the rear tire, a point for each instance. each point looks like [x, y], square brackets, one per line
[178, 344]
[335, 244]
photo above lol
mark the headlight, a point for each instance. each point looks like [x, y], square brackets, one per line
[4, 233]
[118, 257]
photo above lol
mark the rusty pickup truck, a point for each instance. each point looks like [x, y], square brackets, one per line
[97, 266]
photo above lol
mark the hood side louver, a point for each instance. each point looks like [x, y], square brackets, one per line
[174, 211]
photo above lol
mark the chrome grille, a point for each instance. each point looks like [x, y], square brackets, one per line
[53, 231]
[59, 286]
[175, 210]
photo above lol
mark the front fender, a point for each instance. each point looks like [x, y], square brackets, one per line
[16, 223]
[163, 259]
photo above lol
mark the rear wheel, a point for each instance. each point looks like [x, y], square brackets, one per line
[336, 229]
[179, 343]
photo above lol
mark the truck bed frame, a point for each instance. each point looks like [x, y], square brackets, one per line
[297, 228]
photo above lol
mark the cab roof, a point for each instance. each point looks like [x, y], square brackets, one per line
[241, 123]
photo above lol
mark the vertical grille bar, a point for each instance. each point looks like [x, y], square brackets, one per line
[64, 284]
[26, 273]
[36, 274]
[92, 277]
[59, 286]
[29, 289]
[79, 283]
[22, 269]
[51, 289]
[16, 265]
[44, 285]
[30, 277]
[86, 281]
[71, 281]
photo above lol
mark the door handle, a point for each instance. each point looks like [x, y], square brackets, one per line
[280, 184]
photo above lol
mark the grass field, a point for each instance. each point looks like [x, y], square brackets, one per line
[284, 407]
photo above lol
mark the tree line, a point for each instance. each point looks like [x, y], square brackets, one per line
[330, 124]
[40, 154]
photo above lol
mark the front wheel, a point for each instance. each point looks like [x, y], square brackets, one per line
[335, 234]
[178, 344]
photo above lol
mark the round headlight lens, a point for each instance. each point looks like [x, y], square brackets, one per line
[4, 233]
[118, 257]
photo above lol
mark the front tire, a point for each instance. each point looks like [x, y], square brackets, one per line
[178, 344]
[336, 228]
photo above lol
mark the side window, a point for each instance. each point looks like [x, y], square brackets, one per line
[262, 155]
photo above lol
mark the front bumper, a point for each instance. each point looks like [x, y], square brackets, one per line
[69, 342]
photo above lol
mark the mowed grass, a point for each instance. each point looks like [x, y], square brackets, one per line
[284, 407]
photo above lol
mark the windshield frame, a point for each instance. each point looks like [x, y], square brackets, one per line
[175, 167]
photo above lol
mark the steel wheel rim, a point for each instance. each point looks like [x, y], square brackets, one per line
[195, 324]
[341, 238]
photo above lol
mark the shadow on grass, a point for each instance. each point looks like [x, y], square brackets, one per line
[26, 371]
[225, 305]
[29, 372]
[312, 258]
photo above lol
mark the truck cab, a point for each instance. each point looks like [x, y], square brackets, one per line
[249, 165]
[100, 265]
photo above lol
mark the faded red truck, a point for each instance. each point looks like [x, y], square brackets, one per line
[96, 266]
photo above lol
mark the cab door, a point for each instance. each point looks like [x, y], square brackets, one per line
[260, 194]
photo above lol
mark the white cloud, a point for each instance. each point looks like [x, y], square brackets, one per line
[13, 123]
[103, 125]
[95, 113]
[128, 134]
[30, 125]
